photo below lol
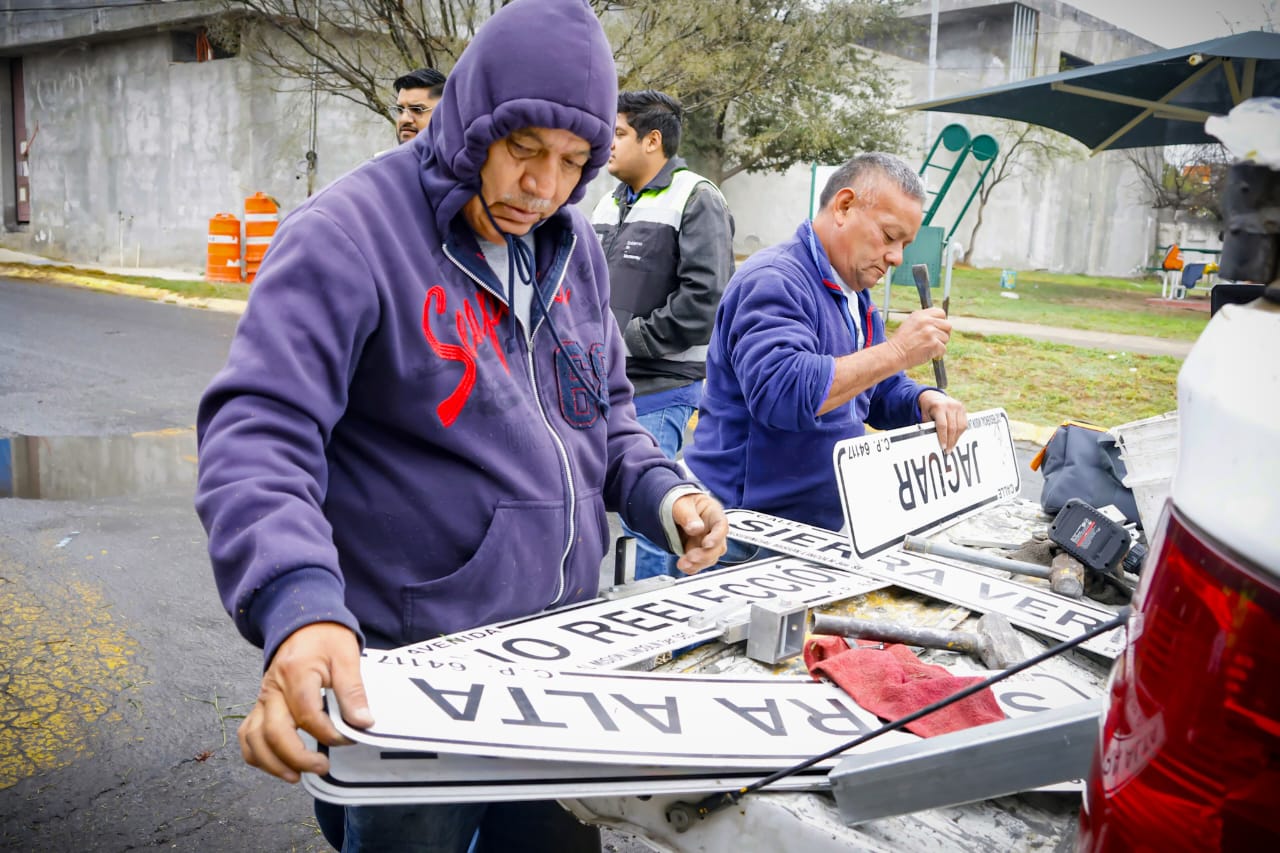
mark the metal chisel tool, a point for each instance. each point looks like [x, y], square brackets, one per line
[920, 272]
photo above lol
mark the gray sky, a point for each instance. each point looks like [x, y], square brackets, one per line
[1173, 23]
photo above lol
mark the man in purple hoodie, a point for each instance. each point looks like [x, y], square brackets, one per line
[425, 418]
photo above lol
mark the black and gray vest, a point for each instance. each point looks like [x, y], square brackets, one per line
[641, 246]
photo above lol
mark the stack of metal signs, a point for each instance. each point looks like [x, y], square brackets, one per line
[559, 706]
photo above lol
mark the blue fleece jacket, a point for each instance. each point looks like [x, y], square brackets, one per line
[760, 442]
[384, 449]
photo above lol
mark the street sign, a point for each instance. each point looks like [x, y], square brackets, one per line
[612, 634]
[1035, 608]
[897, 483]
[603, 717]
[561, 734]
[361, 774]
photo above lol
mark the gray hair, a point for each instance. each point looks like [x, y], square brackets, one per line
[859, 173]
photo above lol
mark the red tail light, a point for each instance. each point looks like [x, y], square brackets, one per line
[1189, 757]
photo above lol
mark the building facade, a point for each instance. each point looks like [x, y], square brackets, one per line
[125, 128]
[1075, 214]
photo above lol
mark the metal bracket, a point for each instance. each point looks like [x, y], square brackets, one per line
[624, 560]
[970, 765]
[627, 590]
[776, 630]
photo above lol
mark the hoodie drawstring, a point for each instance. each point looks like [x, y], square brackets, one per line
[520, 262]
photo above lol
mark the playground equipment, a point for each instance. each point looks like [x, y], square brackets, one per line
[948, 155]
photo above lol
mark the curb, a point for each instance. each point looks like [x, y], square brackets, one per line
[1034, 433]
[104, 284]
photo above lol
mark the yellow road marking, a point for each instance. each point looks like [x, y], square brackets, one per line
[64, 663]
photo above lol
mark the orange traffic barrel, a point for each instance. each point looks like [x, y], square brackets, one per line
[223, 261]
[260, 217]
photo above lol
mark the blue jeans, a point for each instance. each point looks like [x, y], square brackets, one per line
[667, 425]
[739, 552]
[532, 827]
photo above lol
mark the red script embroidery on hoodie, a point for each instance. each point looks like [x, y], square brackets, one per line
[472, 332]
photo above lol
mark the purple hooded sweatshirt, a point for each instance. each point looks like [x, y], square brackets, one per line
[384, 448]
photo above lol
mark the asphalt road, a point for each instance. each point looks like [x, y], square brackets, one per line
[122, 681]
[122, 678]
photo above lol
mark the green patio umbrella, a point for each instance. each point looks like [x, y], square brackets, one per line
[1160, 98]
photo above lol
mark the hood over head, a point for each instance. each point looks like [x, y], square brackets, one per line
[535, 63]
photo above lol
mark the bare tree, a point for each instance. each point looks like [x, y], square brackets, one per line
[1025, 149]
[765, 83]
[1183, 178]
[353, 49]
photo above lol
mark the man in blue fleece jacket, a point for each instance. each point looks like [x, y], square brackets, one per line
[799, 358]
[425, 418]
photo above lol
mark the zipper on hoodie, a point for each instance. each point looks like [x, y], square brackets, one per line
[566, 467]
[562, 261]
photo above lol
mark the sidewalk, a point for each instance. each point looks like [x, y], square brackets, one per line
[9, 256]
[1142, 344]
[20, 265]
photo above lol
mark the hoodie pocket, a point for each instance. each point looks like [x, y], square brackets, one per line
[514, 572]
[591, 542]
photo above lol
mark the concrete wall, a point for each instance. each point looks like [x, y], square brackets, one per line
[136, 152]
[8, 195]
[1081, 214]
[24, 23]
[71, 467]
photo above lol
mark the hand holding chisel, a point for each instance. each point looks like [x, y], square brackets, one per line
[921, 274]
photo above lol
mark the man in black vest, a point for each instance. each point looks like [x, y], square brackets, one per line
[668, 238]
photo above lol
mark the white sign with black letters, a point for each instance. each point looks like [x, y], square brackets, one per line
[611, 634]
[1034, 608]
[627, 718]
[897, 483]
[604, 717]
[366, 774]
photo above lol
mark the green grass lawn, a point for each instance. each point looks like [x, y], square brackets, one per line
[1069, 301]
[1045, 383]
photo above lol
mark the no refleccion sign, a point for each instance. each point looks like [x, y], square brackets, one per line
[613, 634]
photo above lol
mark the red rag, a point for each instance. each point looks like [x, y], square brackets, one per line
[891, 682]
